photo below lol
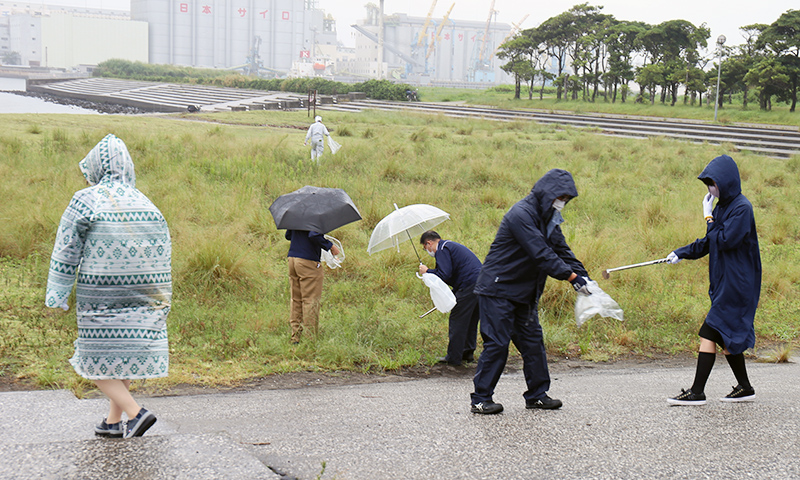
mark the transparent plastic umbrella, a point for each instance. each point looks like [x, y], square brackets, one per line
[405, 224]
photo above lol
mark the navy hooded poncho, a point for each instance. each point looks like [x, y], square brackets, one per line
[522, 255]
[734, 262]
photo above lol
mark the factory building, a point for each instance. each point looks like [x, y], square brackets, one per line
[41, 35]
[279, 37]
[259, 36]
[425, 49]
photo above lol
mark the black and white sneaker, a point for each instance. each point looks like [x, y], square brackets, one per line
[740, 394]
[545, 403]
[687, 397]
[112, 430]
[139, 424]
[487, 408]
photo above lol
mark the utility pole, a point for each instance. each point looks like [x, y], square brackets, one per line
[380, 42]
[720, 41]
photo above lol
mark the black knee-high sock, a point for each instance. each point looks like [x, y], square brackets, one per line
[705, 362]
[739, 369]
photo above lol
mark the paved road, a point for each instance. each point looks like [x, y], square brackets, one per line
[615, 424]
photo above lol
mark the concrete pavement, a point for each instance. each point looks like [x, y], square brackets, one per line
[615, 424]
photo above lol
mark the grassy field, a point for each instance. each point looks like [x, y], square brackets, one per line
[214, 175]
[729, 113]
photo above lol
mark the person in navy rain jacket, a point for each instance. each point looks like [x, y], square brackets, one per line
[528, 247]
[458, 267]
[305, 279]
[734, 271]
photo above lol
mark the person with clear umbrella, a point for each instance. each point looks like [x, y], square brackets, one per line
[458, 267]
[528, 248]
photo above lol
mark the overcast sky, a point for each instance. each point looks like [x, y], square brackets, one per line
[722, 17]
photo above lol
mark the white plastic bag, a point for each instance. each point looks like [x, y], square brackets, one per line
[333, 145]
[599, 302]
[331, 260]
[442, 296]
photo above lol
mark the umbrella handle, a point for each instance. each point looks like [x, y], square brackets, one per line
[412, 245]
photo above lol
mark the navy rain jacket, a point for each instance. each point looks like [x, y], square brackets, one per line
[307, 244]
[734, 262]
[456, 265]
[521, 257]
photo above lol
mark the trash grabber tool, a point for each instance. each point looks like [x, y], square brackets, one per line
[426, 313]
[625, 267]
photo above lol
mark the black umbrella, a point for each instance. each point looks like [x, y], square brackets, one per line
[314, 208]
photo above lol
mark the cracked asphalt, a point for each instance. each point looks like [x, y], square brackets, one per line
[615, 424]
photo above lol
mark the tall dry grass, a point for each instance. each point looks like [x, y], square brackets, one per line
[639, 199]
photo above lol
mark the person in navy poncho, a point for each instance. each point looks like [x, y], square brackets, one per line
[528, 248]
[734, 270]
[305, 279]
[458, 267]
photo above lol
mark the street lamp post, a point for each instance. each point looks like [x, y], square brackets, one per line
[720, 41]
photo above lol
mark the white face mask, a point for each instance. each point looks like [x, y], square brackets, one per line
[432, 254]
[559, 204]
[713, 190]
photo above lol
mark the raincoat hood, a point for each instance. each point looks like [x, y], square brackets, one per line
[552, 185]
[725, 173]
[108, 161]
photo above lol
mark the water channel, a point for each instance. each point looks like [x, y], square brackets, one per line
[12, 103]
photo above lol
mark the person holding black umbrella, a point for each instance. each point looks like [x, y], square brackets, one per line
[305, 278]
[307, 214]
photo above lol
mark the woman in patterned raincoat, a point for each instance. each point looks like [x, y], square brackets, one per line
[117, 243]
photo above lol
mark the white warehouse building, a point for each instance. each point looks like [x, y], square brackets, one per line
[57, 37]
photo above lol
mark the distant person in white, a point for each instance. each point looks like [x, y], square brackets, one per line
[317, 133]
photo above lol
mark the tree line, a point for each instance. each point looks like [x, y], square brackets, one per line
[585, 53]
[118, 68]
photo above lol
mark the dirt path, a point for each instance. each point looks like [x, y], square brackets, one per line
[324, 379]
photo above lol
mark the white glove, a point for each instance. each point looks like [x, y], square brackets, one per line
[673, 258]
[708, 205]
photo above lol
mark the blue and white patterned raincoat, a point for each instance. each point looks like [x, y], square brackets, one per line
[117, 243]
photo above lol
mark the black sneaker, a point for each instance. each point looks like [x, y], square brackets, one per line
[687, 397]
[545, 403]
[113, 430]
[448, 362]
[487, 408]
[740, 394]
[136, 427]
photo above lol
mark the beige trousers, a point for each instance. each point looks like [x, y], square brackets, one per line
[305, 279]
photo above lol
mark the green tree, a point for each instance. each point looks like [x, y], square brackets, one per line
[517, 51]
[557, 35]
[783, 38]
[621, 43]
[11, 58]
[674, 45]
[748, 55]
[649, 77]
[770, 78]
